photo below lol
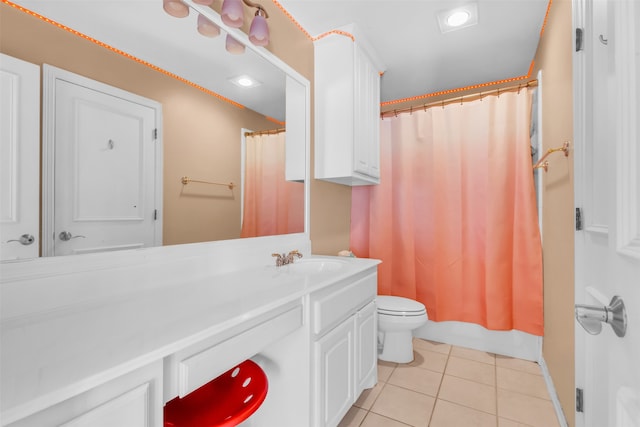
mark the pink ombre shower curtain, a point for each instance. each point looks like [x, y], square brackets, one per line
[454, 219]
[272, 205]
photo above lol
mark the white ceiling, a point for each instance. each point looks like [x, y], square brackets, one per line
[418, 58]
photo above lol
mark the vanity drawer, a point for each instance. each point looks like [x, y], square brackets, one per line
[330, 306]
[196, 366]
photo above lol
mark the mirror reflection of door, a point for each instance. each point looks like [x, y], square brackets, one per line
[19, 158]
[102, 147]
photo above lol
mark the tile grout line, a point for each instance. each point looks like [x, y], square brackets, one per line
[439, 386]
[384, 384]
[495, 375]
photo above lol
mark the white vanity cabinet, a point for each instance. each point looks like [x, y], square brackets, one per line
[132, 400]
[366, 347]
[110, 345]
[344, 352]
[347, 108]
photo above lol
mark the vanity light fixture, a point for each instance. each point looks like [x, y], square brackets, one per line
[233, 46]
[460, 17]
[207, 28]
[175, 8]
[232, 14]
[259, 30]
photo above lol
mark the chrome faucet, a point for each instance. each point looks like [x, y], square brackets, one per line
[282, 259]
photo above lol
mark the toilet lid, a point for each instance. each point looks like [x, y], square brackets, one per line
[399, 306]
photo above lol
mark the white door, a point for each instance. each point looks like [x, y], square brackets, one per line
[607, 177]
[19, 158]
[104, 156]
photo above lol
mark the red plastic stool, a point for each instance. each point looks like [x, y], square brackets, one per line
[223, 402]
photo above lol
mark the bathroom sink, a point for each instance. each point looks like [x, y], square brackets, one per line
[319, 265]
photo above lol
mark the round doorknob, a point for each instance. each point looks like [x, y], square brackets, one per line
[66, 236]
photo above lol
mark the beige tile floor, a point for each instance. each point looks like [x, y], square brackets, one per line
[449, 386]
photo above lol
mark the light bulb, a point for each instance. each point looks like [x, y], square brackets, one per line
[458, 18]
[233, 46]
[175, 8]
[232, 13]
[259, 31]
[207, 28]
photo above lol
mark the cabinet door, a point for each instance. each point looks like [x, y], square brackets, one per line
[334, 356]
[366, 148]
[133, 400]
[366, 348]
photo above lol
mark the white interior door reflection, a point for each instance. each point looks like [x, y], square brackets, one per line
[19, 158]
[106, 195]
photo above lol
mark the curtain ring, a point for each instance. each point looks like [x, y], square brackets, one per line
[395, 112]
[519, 87]
[498, 92]
[460, 100]
[480, 96]
[410, 110]
[443, 104]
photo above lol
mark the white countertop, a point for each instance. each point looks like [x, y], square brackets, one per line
[74, 347]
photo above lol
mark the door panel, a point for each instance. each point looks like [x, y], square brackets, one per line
[19, 158]
[106, 171]
[606, 99]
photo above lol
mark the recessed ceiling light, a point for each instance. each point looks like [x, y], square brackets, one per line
[457, 18]
[460, 17]
[245, 81]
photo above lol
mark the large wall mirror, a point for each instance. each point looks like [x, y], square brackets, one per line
[207, 117]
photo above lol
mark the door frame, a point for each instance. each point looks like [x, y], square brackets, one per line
[23, 159]
[49, 76]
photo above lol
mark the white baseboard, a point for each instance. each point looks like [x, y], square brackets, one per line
[506, 343]
[552, 393]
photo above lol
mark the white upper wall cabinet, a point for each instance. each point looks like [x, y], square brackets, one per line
[347, 108]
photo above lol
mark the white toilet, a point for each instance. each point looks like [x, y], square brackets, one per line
[397, 318]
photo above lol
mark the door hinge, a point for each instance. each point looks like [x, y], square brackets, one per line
[155, 214]
[579, 400]
[578, 219]
[155, 133]
[579, 39]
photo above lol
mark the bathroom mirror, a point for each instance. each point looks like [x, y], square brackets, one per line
[192, 212]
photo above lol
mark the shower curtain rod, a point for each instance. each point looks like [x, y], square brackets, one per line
[463, 98]
[265, 132]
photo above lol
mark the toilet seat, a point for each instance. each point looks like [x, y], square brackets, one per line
[399, 306]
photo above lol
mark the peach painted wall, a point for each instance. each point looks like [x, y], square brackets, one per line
[554, 59]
